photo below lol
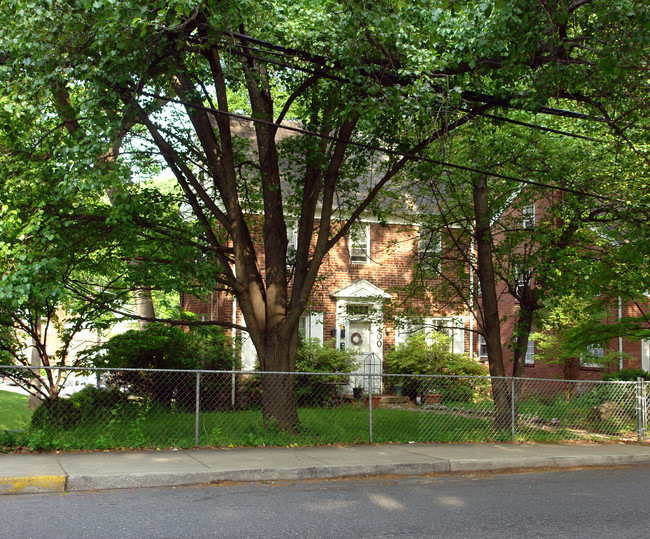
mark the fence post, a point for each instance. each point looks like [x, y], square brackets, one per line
[644, 407]
[370, 405]
[640, 409]
[512, 408]
[233, 386]
[197, 409]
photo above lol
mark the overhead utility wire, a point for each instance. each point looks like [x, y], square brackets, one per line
[341, 79]
[495, 102]
[321, 60]
[533, 126]
[375, 148]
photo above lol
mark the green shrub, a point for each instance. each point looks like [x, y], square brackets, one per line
[11, 439]
[56, 413]
[165, 347]
[312, 357]
[92, 400]
[249, 391]
[431, 354]
[626, 375]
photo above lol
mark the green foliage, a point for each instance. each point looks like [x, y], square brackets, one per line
[314, 357]
[160, 346]
[314, 390]
[166, 347]
[627, 375]
[56, 413]
[94, 401]
[574, 326]
[430, 354]
[79, 121]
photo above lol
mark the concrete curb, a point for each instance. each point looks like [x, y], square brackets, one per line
[54, 473]
[77, 483]
[33, 484]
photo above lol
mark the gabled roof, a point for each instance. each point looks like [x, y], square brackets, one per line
[361, 289]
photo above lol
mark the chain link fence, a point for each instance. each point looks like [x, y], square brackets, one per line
[128, 408]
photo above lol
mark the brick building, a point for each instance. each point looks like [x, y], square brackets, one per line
[364, 276]
[361, 286]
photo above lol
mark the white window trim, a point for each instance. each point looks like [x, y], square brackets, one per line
[429, 243]
[530, 353]
[594, 350]
[453, 328]
[528, 216]
[311, 326]
[482, 347]
[362, 249]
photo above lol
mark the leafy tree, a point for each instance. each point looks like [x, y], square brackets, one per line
[41, 289]
[157, 79]
[583, 190]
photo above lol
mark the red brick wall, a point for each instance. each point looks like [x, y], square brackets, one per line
[390, 268]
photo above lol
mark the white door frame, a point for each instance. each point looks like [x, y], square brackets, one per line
[363, 294]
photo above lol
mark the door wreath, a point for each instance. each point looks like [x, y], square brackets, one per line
[356, 338]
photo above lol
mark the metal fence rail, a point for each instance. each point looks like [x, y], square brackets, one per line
[114, 408]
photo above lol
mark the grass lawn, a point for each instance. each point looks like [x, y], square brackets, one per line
[140, 424]
[349, 424]
[14, 413]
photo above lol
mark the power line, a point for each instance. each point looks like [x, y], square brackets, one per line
[538, 127]
[387, 151]
[379, 76]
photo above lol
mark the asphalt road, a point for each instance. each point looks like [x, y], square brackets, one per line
[608, 503]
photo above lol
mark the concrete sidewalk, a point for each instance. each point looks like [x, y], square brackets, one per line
[59, 472]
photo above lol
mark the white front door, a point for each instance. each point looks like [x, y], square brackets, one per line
[360, 328]
[363, 337]
[360, 333]
[645, 355]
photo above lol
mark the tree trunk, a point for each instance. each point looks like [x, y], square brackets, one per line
[34, 400]
[523, 327]
[144, 308]
[278, 401]
[278, 395]
[491, 324]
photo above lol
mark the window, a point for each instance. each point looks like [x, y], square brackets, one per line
[523, 278]
[530, 353]
[357, 310]
[482, 346]
[528, 216]
[429, 248]
[451, 327]
[292, 241]
[443, 325]
[310, 326]
[593, 357]
[360, 244]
